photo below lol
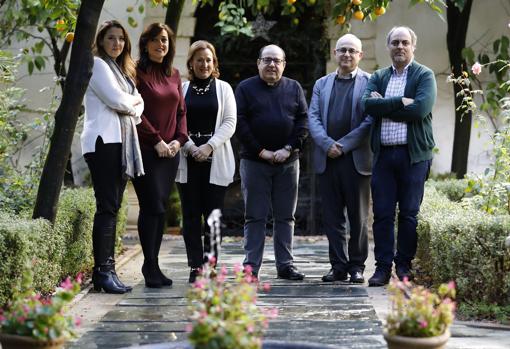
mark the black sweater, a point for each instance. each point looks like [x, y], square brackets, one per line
[270, 117]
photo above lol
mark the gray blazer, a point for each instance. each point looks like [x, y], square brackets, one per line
[357, 140]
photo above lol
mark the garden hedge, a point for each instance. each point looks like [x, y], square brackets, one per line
[52, 252]
[457, 241]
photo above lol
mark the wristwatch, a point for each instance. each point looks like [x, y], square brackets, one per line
[288, 148]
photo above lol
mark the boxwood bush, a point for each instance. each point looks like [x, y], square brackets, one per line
[52, 252]
[458, 242]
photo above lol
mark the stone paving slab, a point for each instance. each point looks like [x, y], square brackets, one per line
[337, 315]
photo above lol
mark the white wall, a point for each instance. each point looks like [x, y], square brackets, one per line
[489, 19]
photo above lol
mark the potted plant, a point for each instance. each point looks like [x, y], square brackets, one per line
[419, 318]
[223, 313]
[30, 320]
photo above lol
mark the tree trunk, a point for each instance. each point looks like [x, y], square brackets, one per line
[456, 40]
[173, 14]
[66, 117]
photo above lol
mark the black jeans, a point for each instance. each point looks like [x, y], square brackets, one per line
[105, 166]
[198, 199]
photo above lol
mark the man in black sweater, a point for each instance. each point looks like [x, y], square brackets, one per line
[272, 128]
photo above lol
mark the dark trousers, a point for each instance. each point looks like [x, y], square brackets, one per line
[198, 199]
[153, 192]
[396, 180]
[105, 167]
[343, 189]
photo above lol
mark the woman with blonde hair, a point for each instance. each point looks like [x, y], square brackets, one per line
[110, 144]
[208, 163]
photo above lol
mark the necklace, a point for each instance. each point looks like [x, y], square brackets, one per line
[202, 90]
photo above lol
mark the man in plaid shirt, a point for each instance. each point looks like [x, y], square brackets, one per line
[400, 99]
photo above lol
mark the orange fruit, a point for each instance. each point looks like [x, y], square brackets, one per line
[70, 37]
[356, 2]
[359, 15]
[379, 11]
[290, 2]
[340, 19]
[60, 25]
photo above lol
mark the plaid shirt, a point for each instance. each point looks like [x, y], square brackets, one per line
[393, 132]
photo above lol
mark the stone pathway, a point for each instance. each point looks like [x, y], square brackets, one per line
[309, 311]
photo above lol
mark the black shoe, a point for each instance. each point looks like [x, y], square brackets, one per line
[193, 274]
[164, 280]
[357, 277]
[120, 283]
[103, 280]
[334, 275]
[151, 275]
[290, 272]
[403, 272]
[381, 277]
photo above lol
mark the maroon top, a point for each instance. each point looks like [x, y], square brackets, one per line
[164, 114]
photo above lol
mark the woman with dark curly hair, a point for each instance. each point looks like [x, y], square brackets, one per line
[162, 132]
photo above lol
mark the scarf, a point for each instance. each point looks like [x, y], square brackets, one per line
[132, 164]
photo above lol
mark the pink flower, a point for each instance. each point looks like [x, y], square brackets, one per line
[67, 284]
[250, 328]
[21, 319]
[266, 286]
[423, 324]
[2, 318]
[237, 268]
[77, 321]
[223, 270]
[79, 278]
[199, 283]
[476, 68]
[212, 260]
[188, 328]
[248, 269]
[451, 285]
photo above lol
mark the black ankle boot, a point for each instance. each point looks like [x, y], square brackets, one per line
[164, 280]
[111, 263]
[151, 275]
[103, 280]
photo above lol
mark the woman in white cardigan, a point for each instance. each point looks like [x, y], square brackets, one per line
[110, 143]
[207, 161]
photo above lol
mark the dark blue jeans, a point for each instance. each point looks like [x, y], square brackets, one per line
[396, 181]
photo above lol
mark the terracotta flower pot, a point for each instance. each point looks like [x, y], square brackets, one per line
[10, 341]
[401, 342]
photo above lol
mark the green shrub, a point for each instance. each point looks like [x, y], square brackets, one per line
[457, 241]
[24, 240]
[54, 252]
[74, 220]
[454, 189]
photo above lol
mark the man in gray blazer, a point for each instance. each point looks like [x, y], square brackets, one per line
[343, 160]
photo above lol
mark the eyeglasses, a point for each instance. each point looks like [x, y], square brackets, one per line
[268, 60]
[344, 50]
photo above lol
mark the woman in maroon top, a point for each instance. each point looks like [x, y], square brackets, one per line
[162, 132]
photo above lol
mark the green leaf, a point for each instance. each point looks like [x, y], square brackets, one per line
[141, 8]
[30, 67]
[39, 62]
[132, 22]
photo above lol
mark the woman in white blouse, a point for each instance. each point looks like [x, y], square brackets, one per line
[110, 144]
[207, 161]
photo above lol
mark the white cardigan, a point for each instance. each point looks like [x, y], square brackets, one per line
[223, 161]
[103, 99]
